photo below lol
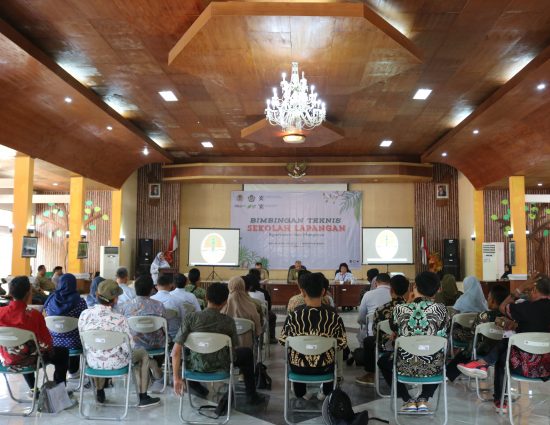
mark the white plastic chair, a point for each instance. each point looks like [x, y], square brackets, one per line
[148, 324]
[381, 327]
[99, 340]
[245, 326]
[14, 337]
[531, 342]
[466, 320]
[309, 346]
[62, 325]
[490, 331]
[421, 345]
[207, 343]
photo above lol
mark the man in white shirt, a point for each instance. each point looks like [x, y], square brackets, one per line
[122, 280]
[370, 302]
[164, 286]
[181, 295]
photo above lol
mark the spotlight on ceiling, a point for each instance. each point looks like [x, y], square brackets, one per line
[476, 131]
[109, 128]
[422, 94]
[68, 100]
[294, 138]
[145, 151]
[386, 143]
[444, 154]
[168, 96]
[539, 184]
[541, 86]
[207, 144]
[55, 184]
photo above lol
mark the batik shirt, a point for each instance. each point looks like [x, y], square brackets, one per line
[385, 313]
[145, 306]
[317, 321]
[198, 292]
[421, 317]
[101, 317]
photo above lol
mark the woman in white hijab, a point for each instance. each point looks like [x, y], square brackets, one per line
[473, 300]
[158, 263]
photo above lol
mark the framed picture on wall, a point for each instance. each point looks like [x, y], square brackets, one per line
[441, 191]
[512, 253]
[82, 250]
[154, 190]
[30, 246]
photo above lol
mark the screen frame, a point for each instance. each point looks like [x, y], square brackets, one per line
[35, 241]
[387, 228]
[211, 265]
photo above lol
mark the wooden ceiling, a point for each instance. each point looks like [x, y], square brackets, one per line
[119, 50]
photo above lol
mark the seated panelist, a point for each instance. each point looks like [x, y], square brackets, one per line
[344, 275]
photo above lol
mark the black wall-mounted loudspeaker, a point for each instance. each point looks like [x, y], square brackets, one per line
[145, 251]
[450, 249]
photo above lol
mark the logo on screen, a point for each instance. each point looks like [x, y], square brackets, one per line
[251, 198]
[239, 198]
[387, 244]
[213, 248]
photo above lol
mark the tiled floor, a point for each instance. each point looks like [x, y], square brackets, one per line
[464, 408]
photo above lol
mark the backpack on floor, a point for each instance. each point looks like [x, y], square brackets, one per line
[263, 380]
[337, 410]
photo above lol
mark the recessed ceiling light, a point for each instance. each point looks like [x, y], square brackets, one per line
[386, 143]
[444, 154]
[539, 184]
[168, 96]
[207, 144]
[55, 184]
[422, 94]
[109, 128]
[68, 100]
[541, 86]
[145, 151]
[476, 131]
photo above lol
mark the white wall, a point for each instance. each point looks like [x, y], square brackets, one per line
[5, 243]
[466, 225]
[128, 223]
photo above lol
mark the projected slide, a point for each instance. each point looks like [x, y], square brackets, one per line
[214, 247]
[387, 245]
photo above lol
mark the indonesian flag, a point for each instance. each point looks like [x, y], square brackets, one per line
[173, 239]
[424, 251]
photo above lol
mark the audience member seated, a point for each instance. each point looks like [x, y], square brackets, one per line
[313, 318]
[529, 316]
[344, 275]
[57, 273]
[181, 295]
[122, 280]
[472, 301]
[16, 315]
[144, 305]
[164, 286]
[261, 307]
[272, 316]
[264, 273]
[41, 284]
[66, 301]
[254, 290]
[91, 298]
[371, 301]
[102, 317]
[158, 263]
[294, 271]
[240, 306]
[399, 285]
[507, 272]
[449, 293]
[421, 316]
[497, 295]
[212, 320]
[194, 277]
[371, 278]
[298, 300]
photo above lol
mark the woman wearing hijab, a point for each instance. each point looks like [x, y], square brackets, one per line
[473, 300]
[449, 291]
[66, 301]
[158, 263]
[91, 299]
[239, 305]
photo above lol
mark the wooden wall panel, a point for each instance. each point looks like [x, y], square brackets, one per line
[155, 217]
[436, 220]
[52, 243]
[493, 229]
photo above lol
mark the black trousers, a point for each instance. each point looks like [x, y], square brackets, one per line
[59, 357]
[369, 351]
[244, 360]
[272, 324]
[501, 348]
[385, 363]
[452, 369]
[300, 388]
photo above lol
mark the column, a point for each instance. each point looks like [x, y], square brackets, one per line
[22, 212]
[76, 217]
[116, 217]
[517, 210]
[479, 230]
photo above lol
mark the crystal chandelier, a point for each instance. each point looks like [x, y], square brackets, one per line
[298, 108]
